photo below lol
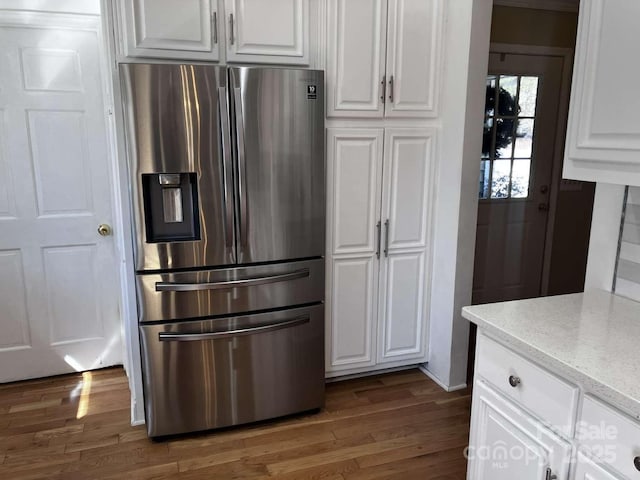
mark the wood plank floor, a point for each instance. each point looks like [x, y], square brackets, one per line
[399, 425]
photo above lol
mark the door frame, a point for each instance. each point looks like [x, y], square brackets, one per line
[566, 54]
[123, 214]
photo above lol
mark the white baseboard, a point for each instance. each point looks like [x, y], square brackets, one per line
[447, 388]
[370, 373]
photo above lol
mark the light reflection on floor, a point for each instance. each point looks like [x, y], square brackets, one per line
[83, 406]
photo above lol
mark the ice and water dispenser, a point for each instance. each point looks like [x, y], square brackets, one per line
[171, 207]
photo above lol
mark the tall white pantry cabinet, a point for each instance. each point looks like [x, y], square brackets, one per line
[383, 71]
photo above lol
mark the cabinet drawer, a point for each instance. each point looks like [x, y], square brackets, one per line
[610, 436]
[544, 394]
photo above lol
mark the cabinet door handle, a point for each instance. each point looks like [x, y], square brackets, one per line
[383, 84]
[636, 463]
[231, 37]
[391, 89]
[386, 237]
[550, 475]
[378, 229]
[514, 381]
[214, 24]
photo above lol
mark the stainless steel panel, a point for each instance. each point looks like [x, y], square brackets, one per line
[176, 123]
[279, 140]
[203, 293]
[228, 380]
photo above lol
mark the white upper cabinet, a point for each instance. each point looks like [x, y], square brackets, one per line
[356, 42]
[249, 31]
[383, 58]
[603, 138]
[413, 57]
[173, 29]
[273, 31]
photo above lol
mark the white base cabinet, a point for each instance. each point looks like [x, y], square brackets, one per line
[507, 443]
[518, 428]
[588, 470]
[379, 199]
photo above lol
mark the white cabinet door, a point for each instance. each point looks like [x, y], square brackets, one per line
[407, 192]
[507, 444]
[587, 470]
[603, 138]
[354, 170]
[413, 57]
[356, 42]
[273, 31]
[175, 29]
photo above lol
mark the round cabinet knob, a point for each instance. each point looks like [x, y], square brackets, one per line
[514, 381]
[104, 229]
[636, 463]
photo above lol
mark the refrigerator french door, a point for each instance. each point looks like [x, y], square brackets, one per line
[228, 186]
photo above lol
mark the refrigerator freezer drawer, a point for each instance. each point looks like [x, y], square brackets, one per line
[208, 374]
[205, 293]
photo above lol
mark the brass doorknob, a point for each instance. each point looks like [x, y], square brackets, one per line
[104, 229]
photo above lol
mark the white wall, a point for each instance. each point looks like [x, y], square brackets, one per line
[603, 241]
[466, 60]
[628, 264]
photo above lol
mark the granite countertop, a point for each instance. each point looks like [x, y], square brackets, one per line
[591, 339]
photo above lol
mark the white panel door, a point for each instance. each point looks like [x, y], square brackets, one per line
[407, 193]
[352, 313]
[507, 444]
[588, 470]
[354, 172]
[356, 43]
[603, 137]
[175, 29]
[273, 31]
[58, 277]
[413, 57]
[354, 190]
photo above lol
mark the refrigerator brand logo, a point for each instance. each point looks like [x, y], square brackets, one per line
[312, 92]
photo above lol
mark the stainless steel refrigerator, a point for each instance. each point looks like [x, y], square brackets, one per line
[228, 185]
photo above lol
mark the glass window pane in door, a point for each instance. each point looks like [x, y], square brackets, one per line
[485, 171]
[504, 137]
[490, 100]
[520, 178]
[528, 96]
[500, 179]
[524, 138]
[507, 105]
[487, 137]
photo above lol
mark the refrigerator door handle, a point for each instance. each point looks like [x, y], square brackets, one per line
[242, 165]
[190, 337]
[243, 282]
[227, 165]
